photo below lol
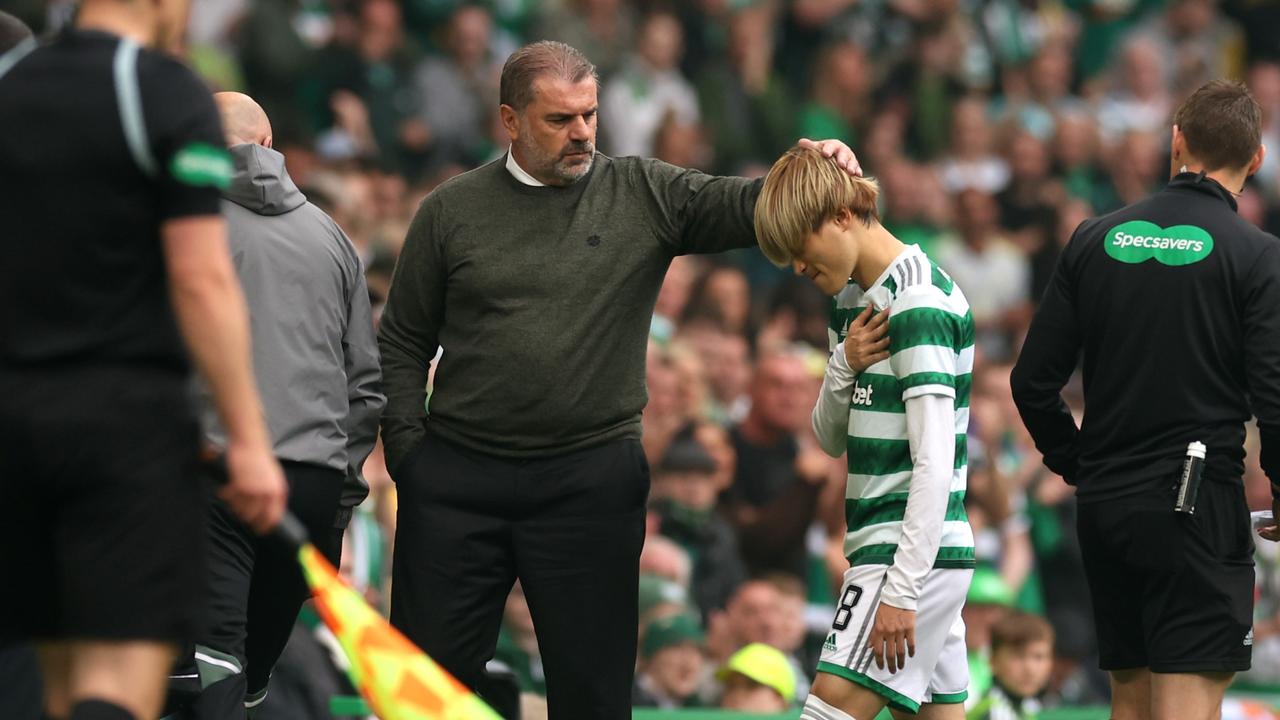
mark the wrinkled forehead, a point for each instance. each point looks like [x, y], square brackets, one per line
[554, 95]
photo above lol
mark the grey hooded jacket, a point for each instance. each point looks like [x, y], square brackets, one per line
[314, 352]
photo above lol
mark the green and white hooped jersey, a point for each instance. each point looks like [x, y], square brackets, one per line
[931, 352]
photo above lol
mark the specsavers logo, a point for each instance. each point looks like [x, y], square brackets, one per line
[1138, 241]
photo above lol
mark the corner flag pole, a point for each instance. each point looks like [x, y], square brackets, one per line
[397, 679]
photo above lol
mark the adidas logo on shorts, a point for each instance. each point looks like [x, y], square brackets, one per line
[830, 644]
[1248, 638]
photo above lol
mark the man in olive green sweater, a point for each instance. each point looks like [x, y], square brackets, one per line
[537, 274]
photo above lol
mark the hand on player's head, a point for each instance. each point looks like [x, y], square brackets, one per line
[843, 154]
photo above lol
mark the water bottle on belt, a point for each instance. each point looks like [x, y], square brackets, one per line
[1189, 485]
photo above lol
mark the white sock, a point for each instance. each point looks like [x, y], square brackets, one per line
[816, 709]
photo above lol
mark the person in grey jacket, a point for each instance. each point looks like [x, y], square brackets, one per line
[316, 359]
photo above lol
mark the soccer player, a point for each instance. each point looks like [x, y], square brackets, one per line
[901, 410]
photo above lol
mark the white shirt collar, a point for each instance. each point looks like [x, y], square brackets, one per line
[518, 172]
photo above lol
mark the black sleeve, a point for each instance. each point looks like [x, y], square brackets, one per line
[703, 213]
[408, 335]
[185, 135]
[1260, 323]
[1047, 360]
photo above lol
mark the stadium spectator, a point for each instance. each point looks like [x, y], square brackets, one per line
[1028, 204]
[752, 615]
[1141, 101]
[839, 103]
[999, 275]
[1264, 83]
[604, 30]
[1196, 44]
[648, 91]
[1075, 155]
[757, 679]
[458, 90]
[277, 46]
[683, 496]
[723, 294]
[664, 558]
[972, 163]
[908, 192]
[781, 470]
[928, 83]
[661, 418]
[794, 630]
[988, 600]
[745, 103]
[361, 87]
[1021, 658]
[1135, 169]
[660, 597]
[671, 663]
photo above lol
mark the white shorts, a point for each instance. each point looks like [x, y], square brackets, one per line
[937, 673]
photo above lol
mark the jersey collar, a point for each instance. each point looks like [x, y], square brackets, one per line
[908, 268]
[1199, 182]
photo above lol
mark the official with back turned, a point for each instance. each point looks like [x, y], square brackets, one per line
[1174, 303]
[116, 280]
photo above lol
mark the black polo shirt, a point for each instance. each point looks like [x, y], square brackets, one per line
[101, 143]
[1172, 305]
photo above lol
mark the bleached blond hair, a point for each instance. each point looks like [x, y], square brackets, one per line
[802, 192]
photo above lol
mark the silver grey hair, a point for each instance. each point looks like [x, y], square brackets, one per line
[535, 60]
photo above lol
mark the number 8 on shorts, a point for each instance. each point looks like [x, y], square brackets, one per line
[939, 671]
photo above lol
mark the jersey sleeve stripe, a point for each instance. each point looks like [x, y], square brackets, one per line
[924, 358]
[928, 326]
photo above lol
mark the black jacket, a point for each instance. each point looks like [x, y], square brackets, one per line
[1175, 303]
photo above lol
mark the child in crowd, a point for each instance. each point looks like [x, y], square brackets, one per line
[757, 679]
[671, 663]
[1021, 659]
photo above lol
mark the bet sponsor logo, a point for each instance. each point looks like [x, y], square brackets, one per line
[861, 394]
[1138, 241]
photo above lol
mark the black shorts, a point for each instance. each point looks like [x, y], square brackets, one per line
[1171, 592]
[104, 527]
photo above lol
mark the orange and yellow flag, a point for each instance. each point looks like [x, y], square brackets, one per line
[397, 679]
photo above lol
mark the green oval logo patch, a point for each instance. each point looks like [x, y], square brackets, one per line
[1138, 241]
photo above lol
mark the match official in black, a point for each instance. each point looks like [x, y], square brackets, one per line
[1174, 303]
[114, 255]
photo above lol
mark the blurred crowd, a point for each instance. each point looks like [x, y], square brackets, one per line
[994, 126]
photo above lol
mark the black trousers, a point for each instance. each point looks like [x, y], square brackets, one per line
[254, 592]
[569, 527]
